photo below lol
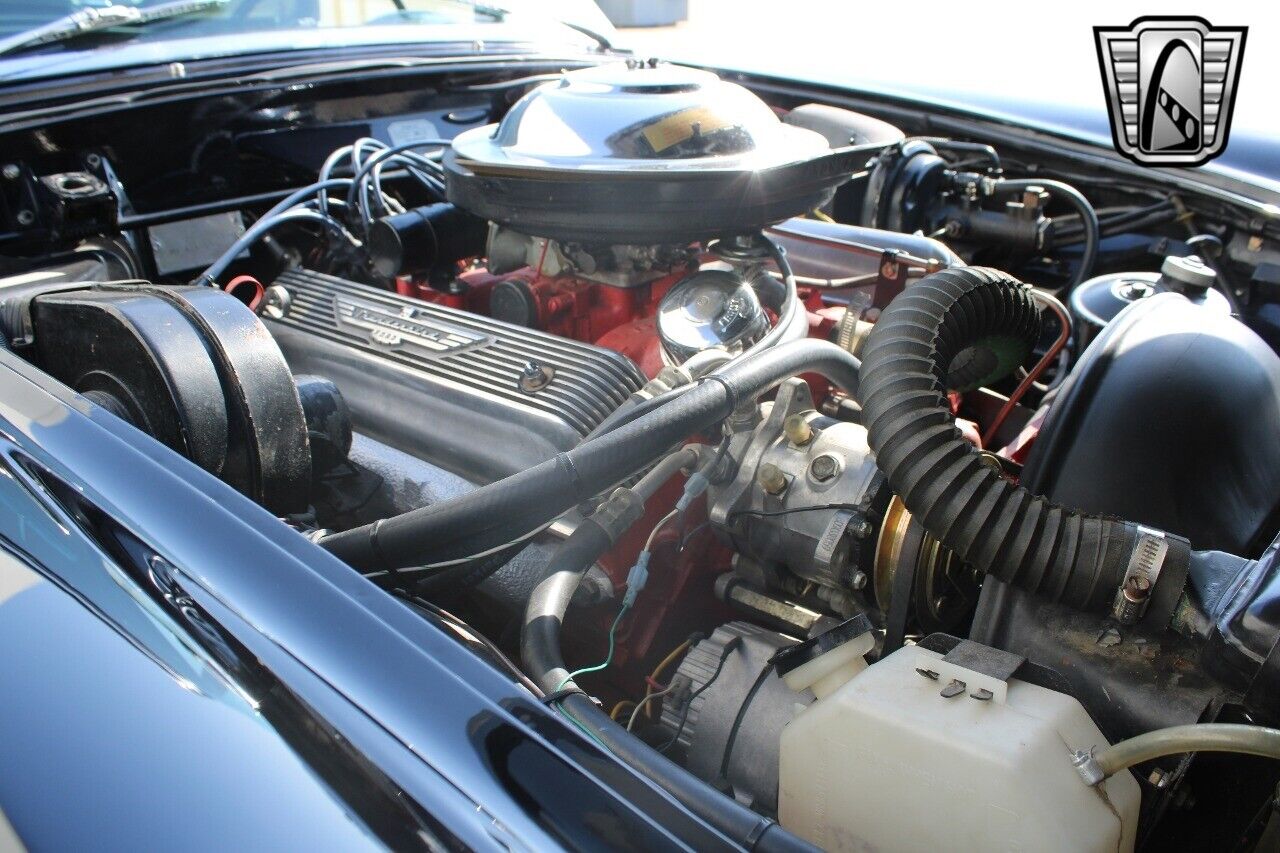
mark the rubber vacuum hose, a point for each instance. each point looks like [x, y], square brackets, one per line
[1202, 737]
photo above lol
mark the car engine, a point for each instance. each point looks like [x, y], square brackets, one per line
[917, 491]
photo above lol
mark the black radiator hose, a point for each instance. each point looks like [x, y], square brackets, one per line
[996, 526]
[501, 512]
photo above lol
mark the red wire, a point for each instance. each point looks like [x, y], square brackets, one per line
[1063, 336]
[546, 244]
[258, 290]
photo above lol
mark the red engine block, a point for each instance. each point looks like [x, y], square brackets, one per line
[618, 318]
[687, 557]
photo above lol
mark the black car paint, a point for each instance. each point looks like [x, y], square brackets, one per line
[182, 669]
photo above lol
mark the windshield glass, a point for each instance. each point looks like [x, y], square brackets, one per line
[200, 19]
[50, 38]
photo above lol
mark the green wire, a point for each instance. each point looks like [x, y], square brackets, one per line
[581, 726]
[613, 629]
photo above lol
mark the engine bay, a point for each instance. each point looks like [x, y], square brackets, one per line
[910, 486]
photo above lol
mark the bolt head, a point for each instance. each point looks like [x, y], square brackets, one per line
[824, 468]
[11, 171]
[1137, 587]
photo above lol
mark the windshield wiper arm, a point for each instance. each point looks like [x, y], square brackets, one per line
[500, 14]
[600, 39]
[92, 20]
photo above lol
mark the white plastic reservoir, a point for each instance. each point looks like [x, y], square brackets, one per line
[888, 763]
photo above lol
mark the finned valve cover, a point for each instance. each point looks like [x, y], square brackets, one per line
[478, 396]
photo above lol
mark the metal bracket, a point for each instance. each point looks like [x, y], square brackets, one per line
[996, 663]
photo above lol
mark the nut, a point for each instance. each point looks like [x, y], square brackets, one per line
[534, 377]
[796, 428]
[275, 302]
[771, 479]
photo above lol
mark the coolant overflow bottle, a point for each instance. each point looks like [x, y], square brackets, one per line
[939, 746]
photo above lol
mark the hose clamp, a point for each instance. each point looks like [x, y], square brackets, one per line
[623, 508]
[1087, 766]
[1146, 561]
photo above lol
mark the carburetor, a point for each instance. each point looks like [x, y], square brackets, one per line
[806, 498]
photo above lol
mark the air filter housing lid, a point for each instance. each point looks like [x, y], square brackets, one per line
[640, 118]
[631, 153]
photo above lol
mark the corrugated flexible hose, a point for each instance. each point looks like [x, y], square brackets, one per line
[990, 522]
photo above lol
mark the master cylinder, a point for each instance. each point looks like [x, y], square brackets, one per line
[946, 745]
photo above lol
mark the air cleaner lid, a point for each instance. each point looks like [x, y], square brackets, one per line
[642, 153]
[619, 117]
